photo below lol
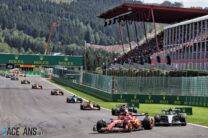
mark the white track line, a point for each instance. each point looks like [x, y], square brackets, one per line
[56, 85]
[198, 125]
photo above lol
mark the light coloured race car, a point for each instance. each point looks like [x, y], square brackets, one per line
[74, 99]
[37, 86]
[89, 106]
[170, 117]
[25, 82]
[57, 92]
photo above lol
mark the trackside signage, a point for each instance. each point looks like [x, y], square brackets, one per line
[41, 60]
[162, 99]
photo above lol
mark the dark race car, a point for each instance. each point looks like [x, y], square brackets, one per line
[121, 109]
[37, 86]
[14, 78]
[25, 82]
[9, 75]
[124, 123]
[74, 99]
[89, 106]
[170, 117]
[57, 92]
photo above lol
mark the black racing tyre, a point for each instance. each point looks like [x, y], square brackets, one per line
[98, 107]
[81, 107]
[62, 93]
[157, 119]
[183, 121]
[100, 125]
[80, 100]
[113, 111]
[135, 110]
[147, 123]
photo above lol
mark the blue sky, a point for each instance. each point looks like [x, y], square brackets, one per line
[186, 3]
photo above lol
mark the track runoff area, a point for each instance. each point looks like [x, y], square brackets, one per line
[24, 110]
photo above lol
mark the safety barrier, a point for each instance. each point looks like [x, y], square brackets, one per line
[88, 90]
[192, 91]
[162, 99]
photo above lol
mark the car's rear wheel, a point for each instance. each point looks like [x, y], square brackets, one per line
[81, 107]
[183, 121]
[148, 123]
[157, 120]
[98, 107]
[113, 111]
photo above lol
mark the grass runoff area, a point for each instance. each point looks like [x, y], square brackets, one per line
[199, 113]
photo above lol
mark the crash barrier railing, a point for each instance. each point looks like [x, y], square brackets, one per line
[189, 90]
[155, 85]
[136, 98]
[86, 89]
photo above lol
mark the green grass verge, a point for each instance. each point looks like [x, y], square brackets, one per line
[199, 113]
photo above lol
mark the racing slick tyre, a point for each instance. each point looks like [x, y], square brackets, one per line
[113, 111]
[157, 120]
[148, 123]
[100, 125]
[183, 120]
[81, 101]
[134, 110]
[81, 107]
[98, 107]
[127, 126]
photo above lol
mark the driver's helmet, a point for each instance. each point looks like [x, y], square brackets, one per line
[126, 111]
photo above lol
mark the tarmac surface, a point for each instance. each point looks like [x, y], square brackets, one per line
[21, 106]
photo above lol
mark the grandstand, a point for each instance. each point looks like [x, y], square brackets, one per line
[187, 44]
[181, 45]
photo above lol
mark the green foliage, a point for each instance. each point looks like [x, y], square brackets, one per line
[77, 21]
[5, 48]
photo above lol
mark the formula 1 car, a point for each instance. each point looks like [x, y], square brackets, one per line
[89, 106]
[37, 86]
[9, 75]
[14, 78]
[124, 123]
[57, 92]
[25, 82]
[170, 117]
[121, 109]
[74, 99]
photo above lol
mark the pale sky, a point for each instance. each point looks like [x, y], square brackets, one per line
[186, 3]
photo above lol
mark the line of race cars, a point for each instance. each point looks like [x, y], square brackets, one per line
[128, 118]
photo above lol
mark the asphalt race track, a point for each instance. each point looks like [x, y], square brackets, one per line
[20, 106]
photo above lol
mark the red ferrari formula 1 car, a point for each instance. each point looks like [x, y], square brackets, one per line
[125, 123]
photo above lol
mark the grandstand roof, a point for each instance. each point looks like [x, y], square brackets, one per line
[188, 21]
[162, 14]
